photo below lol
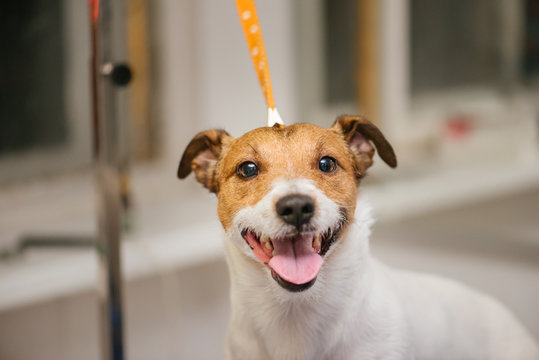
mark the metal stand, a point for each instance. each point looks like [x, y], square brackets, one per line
[110, 155]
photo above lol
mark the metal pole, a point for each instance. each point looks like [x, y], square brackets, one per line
[109, 156]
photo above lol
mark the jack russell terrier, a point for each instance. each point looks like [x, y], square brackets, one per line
[303, 282]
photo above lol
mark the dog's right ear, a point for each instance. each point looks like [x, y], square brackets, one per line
[359, 132]
[201, 156]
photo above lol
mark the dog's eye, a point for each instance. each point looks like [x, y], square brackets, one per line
[327, 164]
[247, 170]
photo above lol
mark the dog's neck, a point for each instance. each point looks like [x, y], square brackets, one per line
[303, 320]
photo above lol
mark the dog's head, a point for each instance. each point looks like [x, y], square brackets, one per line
[286, 195]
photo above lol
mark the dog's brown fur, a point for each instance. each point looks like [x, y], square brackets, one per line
[214, 157]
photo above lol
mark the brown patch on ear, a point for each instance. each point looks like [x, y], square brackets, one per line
[201, 156]
[358, 133]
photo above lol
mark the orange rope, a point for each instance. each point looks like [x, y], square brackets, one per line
[255, 43]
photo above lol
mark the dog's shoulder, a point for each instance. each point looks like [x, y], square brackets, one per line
[466, 320]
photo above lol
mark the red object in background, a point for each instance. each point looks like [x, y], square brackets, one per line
[94, 9]
[459, 126]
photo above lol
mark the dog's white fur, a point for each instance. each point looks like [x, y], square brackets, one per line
[358, 308]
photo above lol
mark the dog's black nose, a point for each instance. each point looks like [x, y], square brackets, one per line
[295, 209]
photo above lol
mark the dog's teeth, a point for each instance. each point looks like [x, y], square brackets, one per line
[266, 242]
[316, 240]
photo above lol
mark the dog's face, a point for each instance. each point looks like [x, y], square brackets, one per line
[286, 195]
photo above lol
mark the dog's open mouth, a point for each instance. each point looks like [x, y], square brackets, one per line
[294, 260]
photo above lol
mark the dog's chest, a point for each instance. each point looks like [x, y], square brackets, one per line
[294, 334]
[311, 335]
[300, 330]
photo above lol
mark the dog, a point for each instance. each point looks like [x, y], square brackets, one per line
[303, 282]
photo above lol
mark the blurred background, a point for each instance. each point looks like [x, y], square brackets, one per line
[454, 85]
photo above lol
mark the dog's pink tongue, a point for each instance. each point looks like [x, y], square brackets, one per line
[295, 261]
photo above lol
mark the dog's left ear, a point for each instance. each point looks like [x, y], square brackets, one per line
[359, 133]
[201, 156]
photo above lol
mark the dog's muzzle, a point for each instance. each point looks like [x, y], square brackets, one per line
[295, 259]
